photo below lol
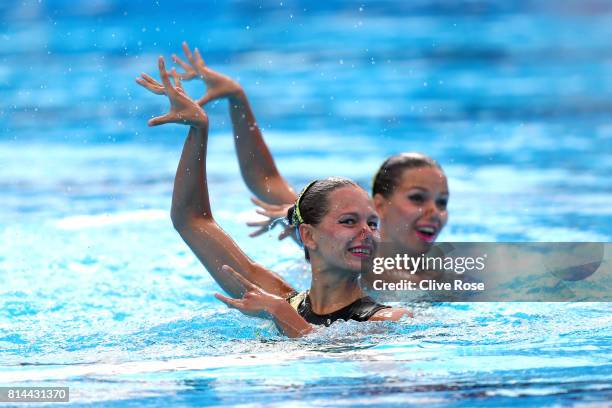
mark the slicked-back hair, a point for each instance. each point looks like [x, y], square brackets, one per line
[389, 174]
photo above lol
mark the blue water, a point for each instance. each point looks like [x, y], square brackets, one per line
[100, 294]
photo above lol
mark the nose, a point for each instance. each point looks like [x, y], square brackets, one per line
[431, 212]
[366, 232]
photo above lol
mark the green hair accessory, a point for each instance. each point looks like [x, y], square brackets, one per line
[297, 217]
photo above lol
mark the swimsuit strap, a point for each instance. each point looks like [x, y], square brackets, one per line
[296, 298]
[360, 310]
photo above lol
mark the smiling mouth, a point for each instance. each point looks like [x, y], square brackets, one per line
[361, 252]
[427, 234]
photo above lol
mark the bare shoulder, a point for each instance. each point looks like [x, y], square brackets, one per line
[391, 314]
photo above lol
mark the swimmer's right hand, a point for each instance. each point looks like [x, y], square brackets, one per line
[272, 212]
[182, 108]
[217, 85]
[151, 84]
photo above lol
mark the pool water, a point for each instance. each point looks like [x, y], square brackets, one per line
[100, 294]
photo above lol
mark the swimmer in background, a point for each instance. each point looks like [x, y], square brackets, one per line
[336, 222]
[410, 190]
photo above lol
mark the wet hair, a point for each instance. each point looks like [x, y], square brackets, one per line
[390, 172]
[312, 203]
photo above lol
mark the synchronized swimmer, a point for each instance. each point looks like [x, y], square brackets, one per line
[334, 219]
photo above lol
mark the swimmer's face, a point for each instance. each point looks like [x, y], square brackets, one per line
[348, 233]
[415, 213]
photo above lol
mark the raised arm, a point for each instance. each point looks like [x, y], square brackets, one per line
[274, 195]
[191, 213]
[256, 162]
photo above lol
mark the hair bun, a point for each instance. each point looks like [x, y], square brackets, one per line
[290, 213]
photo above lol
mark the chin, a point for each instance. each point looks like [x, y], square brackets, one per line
[354, 265]
[419, 247]
[427, 246]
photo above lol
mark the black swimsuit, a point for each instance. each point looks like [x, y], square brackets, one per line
[360, 310]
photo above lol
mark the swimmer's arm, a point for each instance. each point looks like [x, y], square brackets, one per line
[392, 314]
[191, 213]
[256, 162]
[272, 214]
[192, 217]
[256, 300]
[288, 321]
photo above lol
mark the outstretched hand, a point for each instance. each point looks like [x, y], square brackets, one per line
[255, 301]
[182, 108]
[217, 85]
[151, 84]
[272, 212]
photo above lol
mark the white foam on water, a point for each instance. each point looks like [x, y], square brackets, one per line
[37, 373]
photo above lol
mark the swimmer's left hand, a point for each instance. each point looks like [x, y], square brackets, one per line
[255, 301]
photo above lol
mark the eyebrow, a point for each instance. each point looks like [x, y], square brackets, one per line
[425, 189]
[354, 214]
